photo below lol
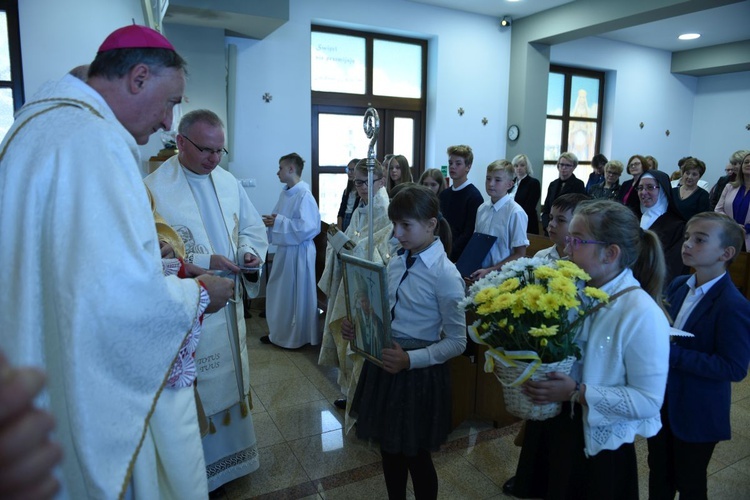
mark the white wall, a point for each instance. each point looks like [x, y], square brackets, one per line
[206, 86]
[639, 88]
[468, 66]
[722, 113]
[58, 35]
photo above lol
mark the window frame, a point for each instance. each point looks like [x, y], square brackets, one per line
[388, 107]
[14, 47]
[568, 73]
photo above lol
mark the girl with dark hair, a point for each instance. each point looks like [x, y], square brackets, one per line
[398, 173]
[350, 199]
[406, 404]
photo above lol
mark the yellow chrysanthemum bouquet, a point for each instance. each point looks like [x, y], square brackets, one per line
[529, 313]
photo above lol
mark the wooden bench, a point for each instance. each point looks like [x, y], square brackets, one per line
[739, 271]
[537, 242]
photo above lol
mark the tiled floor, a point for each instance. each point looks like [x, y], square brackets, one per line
[304, 452]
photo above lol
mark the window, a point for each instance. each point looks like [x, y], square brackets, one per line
[574, 119]
[351, 71]
[11, 77]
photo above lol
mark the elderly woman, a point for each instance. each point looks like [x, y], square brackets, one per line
[735, 199]
[398, 173]
[628, 196]
[566, 183]
[659, 214]
[433, 178]
[689, 198]
[527, 191]
[609, 188]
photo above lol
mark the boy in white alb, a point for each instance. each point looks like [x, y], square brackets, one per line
[501, 217]
[291, 296]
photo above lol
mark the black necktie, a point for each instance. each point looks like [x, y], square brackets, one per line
[410, 260]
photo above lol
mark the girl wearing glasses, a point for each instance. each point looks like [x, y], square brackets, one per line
[660, 214]
[611, 186]
[615, 391]
[333, 351]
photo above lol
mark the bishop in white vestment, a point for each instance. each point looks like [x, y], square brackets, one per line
[86, 298]
[222, 231]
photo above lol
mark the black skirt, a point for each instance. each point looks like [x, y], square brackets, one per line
[406, 412]
[553, 464]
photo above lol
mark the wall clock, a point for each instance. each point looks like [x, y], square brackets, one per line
[513, 132]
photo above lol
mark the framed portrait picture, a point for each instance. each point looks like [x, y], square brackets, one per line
[366, 290]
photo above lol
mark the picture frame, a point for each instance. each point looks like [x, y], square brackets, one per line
[367, 306]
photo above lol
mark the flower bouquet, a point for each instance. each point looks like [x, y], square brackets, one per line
[530, 312]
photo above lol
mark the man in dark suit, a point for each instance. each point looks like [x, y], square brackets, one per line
[695, 414]
[564, 184]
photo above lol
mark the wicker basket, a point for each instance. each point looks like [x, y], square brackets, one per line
[516, 402]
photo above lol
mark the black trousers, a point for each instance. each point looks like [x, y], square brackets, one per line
[677, 465]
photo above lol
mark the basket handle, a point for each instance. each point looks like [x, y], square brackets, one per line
[507, 358]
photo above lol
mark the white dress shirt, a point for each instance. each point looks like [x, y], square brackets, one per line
[428, 305]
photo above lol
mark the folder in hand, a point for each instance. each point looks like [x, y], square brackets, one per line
[476, 250]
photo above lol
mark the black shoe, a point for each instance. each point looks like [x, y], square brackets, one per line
[508, 486]
[265, 339]
[262, 314]
[340, 404]
[218, 493]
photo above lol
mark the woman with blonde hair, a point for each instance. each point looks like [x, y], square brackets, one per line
[611, 186]
[527, 191]
[735, 199]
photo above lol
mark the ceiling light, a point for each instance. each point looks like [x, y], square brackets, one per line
[689, 36]
[505, 21]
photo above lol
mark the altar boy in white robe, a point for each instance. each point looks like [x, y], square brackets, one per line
[222, 231]
[294, 223]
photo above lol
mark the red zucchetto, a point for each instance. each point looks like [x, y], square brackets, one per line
[135, 37]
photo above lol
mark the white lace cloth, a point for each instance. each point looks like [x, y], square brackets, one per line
[183, 369]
